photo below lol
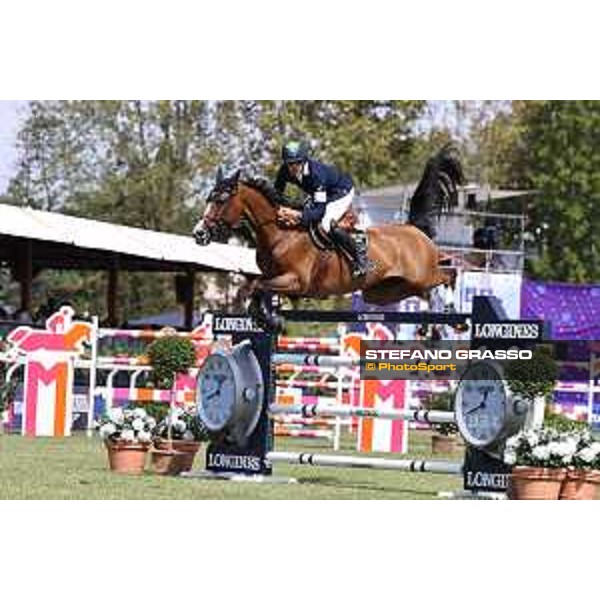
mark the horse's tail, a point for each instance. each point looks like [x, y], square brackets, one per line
[437, 191]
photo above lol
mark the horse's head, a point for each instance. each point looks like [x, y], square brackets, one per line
[223, 211]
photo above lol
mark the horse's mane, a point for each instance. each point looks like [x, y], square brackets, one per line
[266, 188]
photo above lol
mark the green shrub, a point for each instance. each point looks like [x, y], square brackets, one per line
[157, 410]
[443, 401]
[532, 378]
[562, 423]
[168, 357]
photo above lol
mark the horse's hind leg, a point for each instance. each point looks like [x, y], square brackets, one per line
[392, 289]
[442, 277]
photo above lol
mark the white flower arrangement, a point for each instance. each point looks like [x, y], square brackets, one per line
[553, 449]
[184, 424]
[588, 456]
[126, 425]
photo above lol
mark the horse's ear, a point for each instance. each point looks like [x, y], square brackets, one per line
[236, 176]
[219, 177]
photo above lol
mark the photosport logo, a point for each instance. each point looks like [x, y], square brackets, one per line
[386, 360]
[426, 359]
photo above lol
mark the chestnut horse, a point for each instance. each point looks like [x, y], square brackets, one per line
[404, 260]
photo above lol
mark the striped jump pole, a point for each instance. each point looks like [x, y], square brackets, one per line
[318, 385]
[308, 348]
[305, 369]
[297, 433]
[324, 341]
[358, 462]
[316, 410]
[315, 359]
[292, 421]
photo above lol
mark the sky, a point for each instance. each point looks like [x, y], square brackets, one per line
[9, 123]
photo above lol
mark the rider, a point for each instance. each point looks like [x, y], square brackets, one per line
[330, 194]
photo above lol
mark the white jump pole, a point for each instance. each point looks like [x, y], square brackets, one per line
[316, 359]
[315, 410]
[357, 462]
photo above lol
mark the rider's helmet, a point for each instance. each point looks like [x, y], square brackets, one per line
[294, 152]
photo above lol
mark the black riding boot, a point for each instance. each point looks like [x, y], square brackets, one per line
[356, 248]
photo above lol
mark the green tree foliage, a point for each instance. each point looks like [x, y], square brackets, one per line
[552, 148]
[490, 135]
[149, 164]
[136, 163]
[129, 162]
[557, 153]
[370, 139]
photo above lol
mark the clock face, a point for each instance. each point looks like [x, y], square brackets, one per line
[216, 392]
[481, 405]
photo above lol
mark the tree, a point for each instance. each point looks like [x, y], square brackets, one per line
[370, 139]
[552, 149]
[130, 162]
[150, 164]
[559, 151]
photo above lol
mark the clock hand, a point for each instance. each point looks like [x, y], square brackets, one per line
[220, 381]
[476, 408]
[485, 391]
[213, 394]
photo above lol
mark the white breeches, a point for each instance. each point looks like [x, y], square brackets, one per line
[336, 209]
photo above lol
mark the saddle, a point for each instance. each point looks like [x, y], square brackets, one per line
[321, 239]
[289, 218]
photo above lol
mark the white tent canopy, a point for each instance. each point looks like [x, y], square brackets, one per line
[130, 241]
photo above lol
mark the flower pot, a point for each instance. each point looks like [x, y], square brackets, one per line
[534, 483]
[580, 484]
[443, 444]
[169, 462]
[187, 449]
[126, 457]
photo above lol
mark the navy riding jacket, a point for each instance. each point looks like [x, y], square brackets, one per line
[323, 183]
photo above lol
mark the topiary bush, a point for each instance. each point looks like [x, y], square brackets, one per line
[443, 401]
[157, 410]
[530, 379]
[168, 357]
[562, 423]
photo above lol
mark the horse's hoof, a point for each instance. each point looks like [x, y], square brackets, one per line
[274, 323]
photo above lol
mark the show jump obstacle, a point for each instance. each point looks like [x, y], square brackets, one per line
[234, 456]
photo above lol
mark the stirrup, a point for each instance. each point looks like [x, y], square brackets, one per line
[359, 270]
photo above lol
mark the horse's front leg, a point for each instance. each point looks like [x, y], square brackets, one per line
[282, 284]
[288, 283]
[261, 306]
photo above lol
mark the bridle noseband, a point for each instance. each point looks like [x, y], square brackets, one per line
[220, 197]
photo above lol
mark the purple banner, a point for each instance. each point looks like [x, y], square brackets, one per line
[573, 310]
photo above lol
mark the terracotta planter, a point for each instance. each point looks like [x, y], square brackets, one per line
[533, 483]
[168, 462]
[186, 449]
[125, 457]
[443, 444]
[580, 484]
